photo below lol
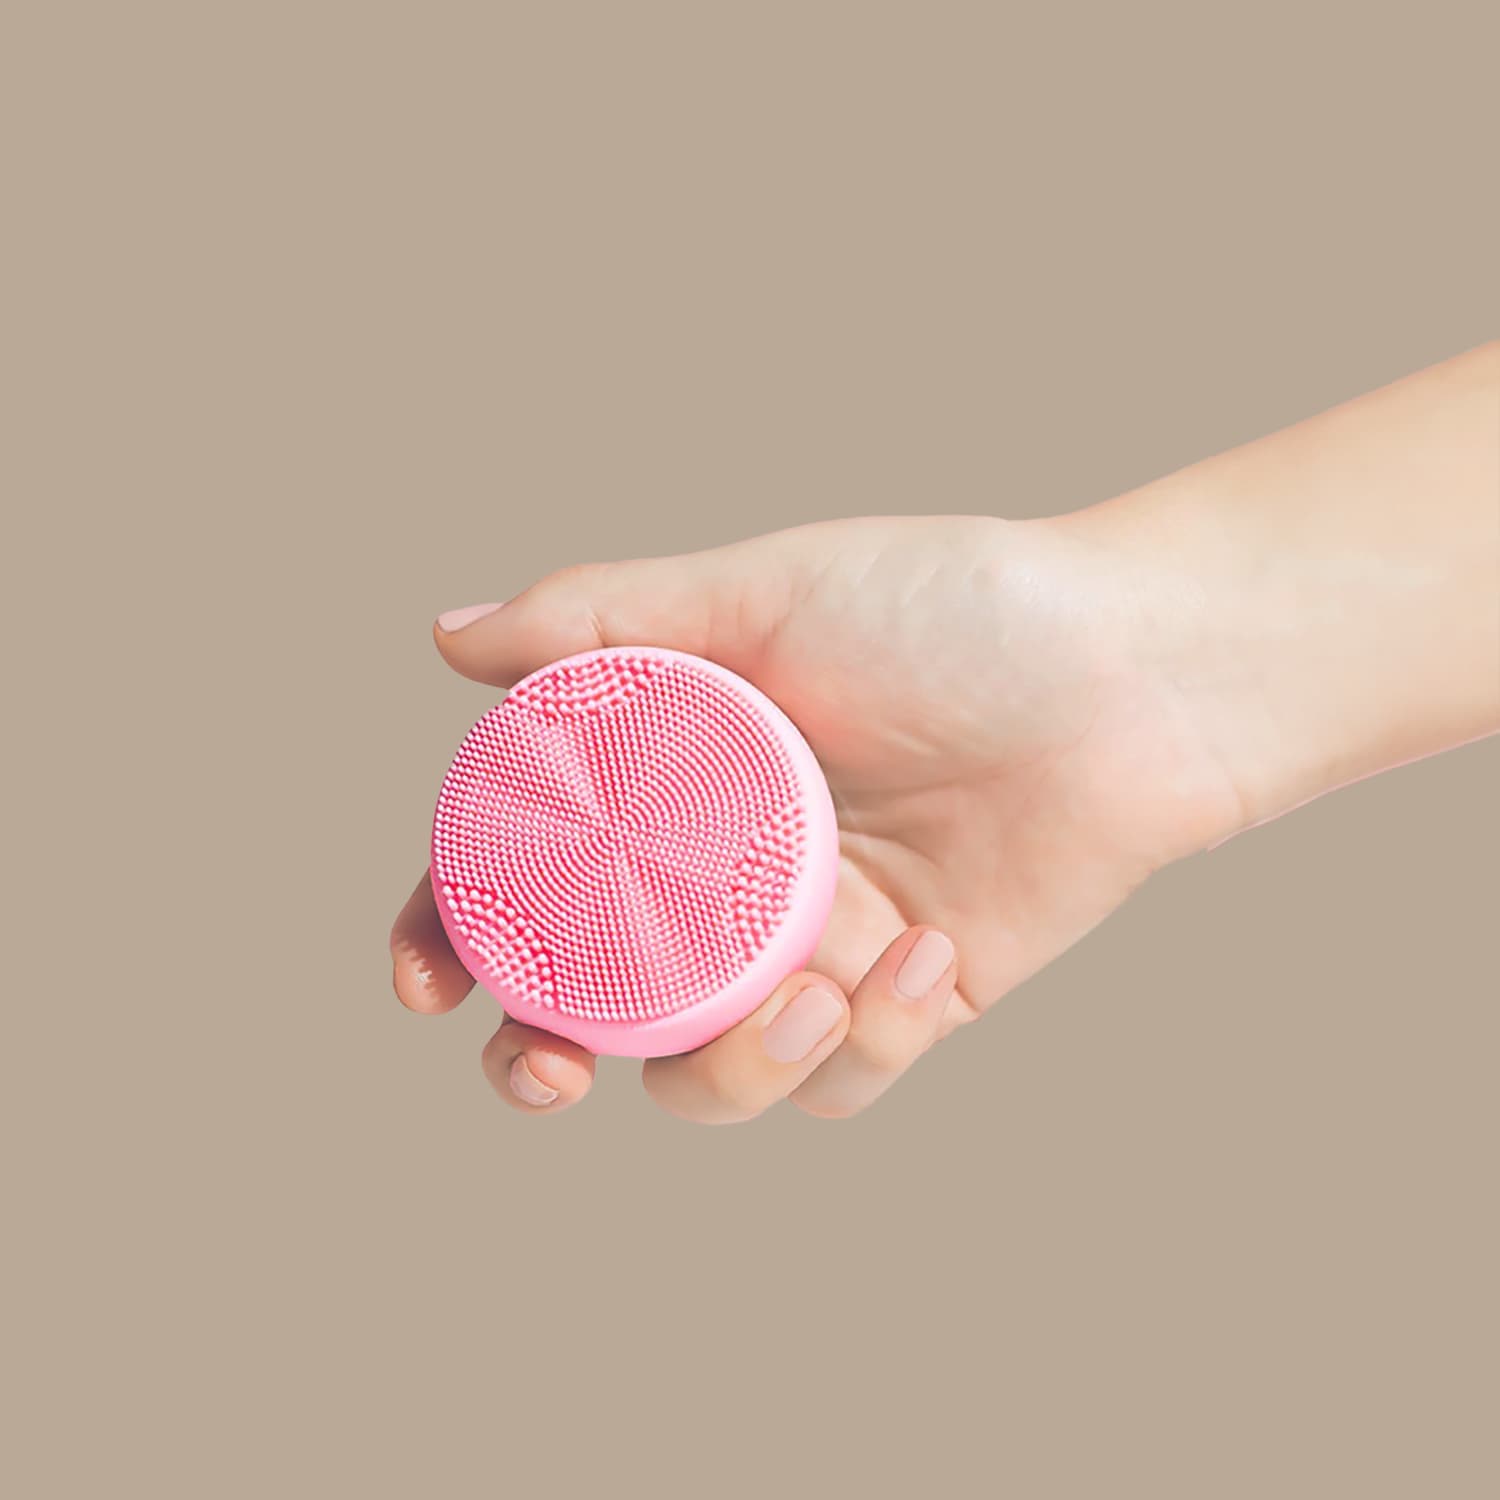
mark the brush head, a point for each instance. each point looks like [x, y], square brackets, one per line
[633, 849]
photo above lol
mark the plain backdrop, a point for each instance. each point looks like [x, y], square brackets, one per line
[320, 318]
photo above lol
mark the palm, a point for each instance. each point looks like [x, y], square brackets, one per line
[1000, 766]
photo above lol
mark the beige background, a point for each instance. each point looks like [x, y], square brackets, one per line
[321, 318]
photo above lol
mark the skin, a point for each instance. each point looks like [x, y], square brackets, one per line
[1022, 721]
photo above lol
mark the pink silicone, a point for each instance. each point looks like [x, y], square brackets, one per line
[633, 850]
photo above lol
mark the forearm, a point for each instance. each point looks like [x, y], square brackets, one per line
[1326, 600]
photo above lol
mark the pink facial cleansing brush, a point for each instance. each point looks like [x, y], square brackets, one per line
[633, 850]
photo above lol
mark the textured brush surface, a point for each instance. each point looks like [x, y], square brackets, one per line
[623, 836]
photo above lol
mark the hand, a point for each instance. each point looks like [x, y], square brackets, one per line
[1021, 721]
[1005, 773]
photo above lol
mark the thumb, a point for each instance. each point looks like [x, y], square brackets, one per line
[721, 603]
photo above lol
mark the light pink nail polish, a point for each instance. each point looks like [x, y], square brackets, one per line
[526, 1086]
[801, 1024]
[455, 619]
[923, 966]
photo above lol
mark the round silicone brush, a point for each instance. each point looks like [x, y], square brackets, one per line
[633, 849]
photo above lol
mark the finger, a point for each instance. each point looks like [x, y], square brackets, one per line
[534, 1071]
[959, 1011]
[427, 973]
[742, 1073]
[896, 1012]
[716, 603]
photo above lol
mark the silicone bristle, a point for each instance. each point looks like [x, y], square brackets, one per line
[620, 838]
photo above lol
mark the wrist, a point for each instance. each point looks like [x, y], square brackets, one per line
[1323, 603]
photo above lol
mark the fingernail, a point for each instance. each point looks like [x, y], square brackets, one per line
[801, 1024]
[526, 1086]
[456, 619]
[922, 968]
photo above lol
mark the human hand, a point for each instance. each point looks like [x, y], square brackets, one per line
[1003, 772]
[1021, 721]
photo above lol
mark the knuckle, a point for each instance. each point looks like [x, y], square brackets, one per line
[826, 1107]
[735, 1092]
[578, 583]
[707, 1093]
[885, 1049]
[656, 1079]
[574, 575]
